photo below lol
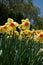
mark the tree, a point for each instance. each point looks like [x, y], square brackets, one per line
[6, 12]
[27, 8]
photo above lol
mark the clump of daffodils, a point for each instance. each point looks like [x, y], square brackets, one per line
[25, 24]
[10, 27]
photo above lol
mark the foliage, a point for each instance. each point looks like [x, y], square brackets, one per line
[6, 12]
[39, 23]
[3, 13]
[16, 52]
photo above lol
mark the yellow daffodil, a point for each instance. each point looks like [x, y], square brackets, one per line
[4, 28]
[36, 31]
[26, 23]
[22, 32]
[25, 32]
[0, 29]
[9, 20]
[21, 27]
[39, 38]
[16, 33]
[20, 37]
[11, 25]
